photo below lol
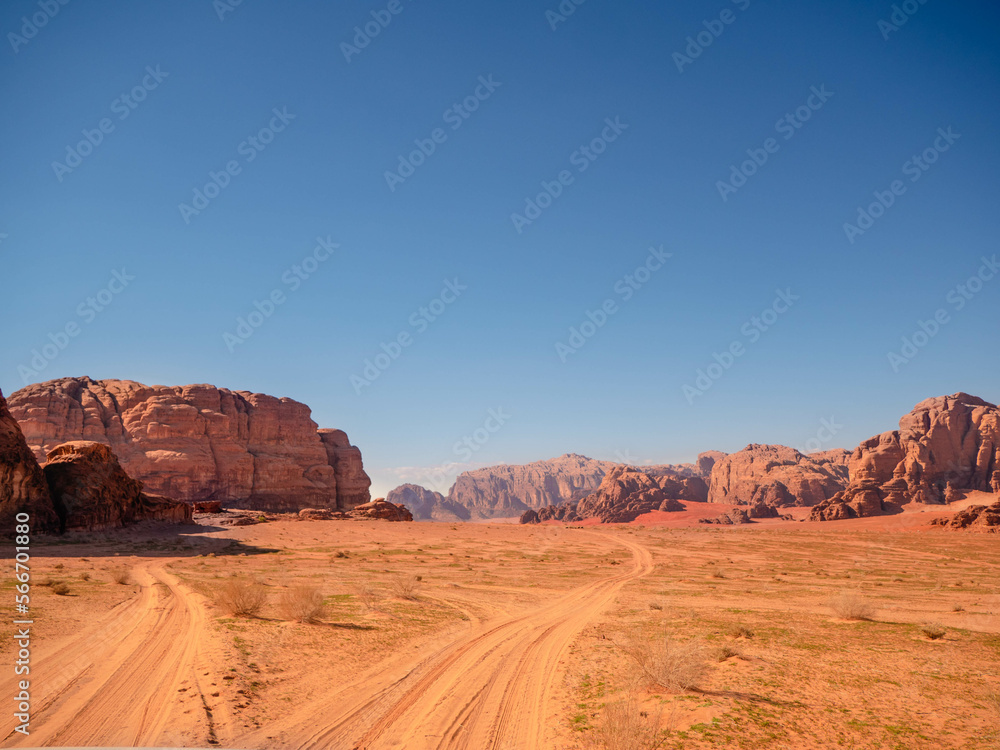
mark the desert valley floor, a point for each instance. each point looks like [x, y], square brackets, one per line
[506, 636]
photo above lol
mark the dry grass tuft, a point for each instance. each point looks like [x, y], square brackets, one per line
[242, 597]
[850, 605]
[302, 604]
[933, 630]
[60, 588]
[624, 726]
[369, 596]
[672, 665]
[405, 587]
[121, 575]
[742, 631]
[656, 605]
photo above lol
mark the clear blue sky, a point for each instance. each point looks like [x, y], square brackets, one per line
[68, 228]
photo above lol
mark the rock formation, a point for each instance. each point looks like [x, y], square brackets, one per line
[754, 473]
[735, 517]
[199, 442]
[22, 485]
[985, 518]
[90, 490]
[948, 439]
[380, 510]
[427, 505]
[624, 495]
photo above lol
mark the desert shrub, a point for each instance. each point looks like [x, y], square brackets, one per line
[85, 576]
[742, 631]
[243, 597]
[302, 604]
[718, 574]
[340, 554]
[672, 665]
[405, 587]
[623, 726]
[656, 605]
[851, 605]
[60, 566]
[725, 652]
[933, 630]
[369, 596]
[121, 575]
[59, 587]
[957, 608]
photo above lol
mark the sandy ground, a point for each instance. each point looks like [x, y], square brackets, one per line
[513, 637]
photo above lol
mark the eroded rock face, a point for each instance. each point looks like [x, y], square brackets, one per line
[735, 517]
[984, 518]
[22, 484]
[624, 495]
[199, 442]
[860, 500]
[427, 505]
[90, 490]
[808, 480]
[949, 439]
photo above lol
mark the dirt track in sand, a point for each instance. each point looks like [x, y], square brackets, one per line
[488, 689]
[117, 682]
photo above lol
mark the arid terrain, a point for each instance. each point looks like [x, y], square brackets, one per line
[498, 635]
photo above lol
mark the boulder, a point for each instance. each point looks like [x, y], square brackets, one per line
[315, 514]
[735, 517]
[380, 510]
[90, 490]
[208, 506]
[198, 442]
[22, 484]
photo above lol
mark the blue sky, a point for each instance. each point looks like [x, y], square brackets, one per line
[198, 87]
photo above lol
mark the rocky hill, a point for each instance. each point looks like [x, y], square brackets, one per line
[22, 484]
[776, 475]
[199, 442]
[427, 505]
[946, 445]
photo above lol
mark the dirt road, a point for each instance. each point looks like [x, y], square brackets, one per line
[125, 681]
[491, 689]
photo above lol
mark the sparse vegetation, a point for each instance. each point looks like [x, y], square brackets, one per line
[405, 587]
[656, 605]
[624, 726]
[59, 587]
[933, 630]
[242, 597]
[85, 576]
[302, 604]
[850, 605]
[742, 631]
[672, 665]
[121, 575]
[369, 596]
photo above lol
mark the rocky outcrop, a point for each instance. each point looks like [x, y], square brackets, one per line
[984, 518]
[199, 442]
[22, 484]
[380, 510]
[735, 517]
[860, 500]
[949, 439]
[566, 513]
[90, 490]
[689, 489]
[509, 490]
[427, 505]
[624, 495]
[745, 477]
